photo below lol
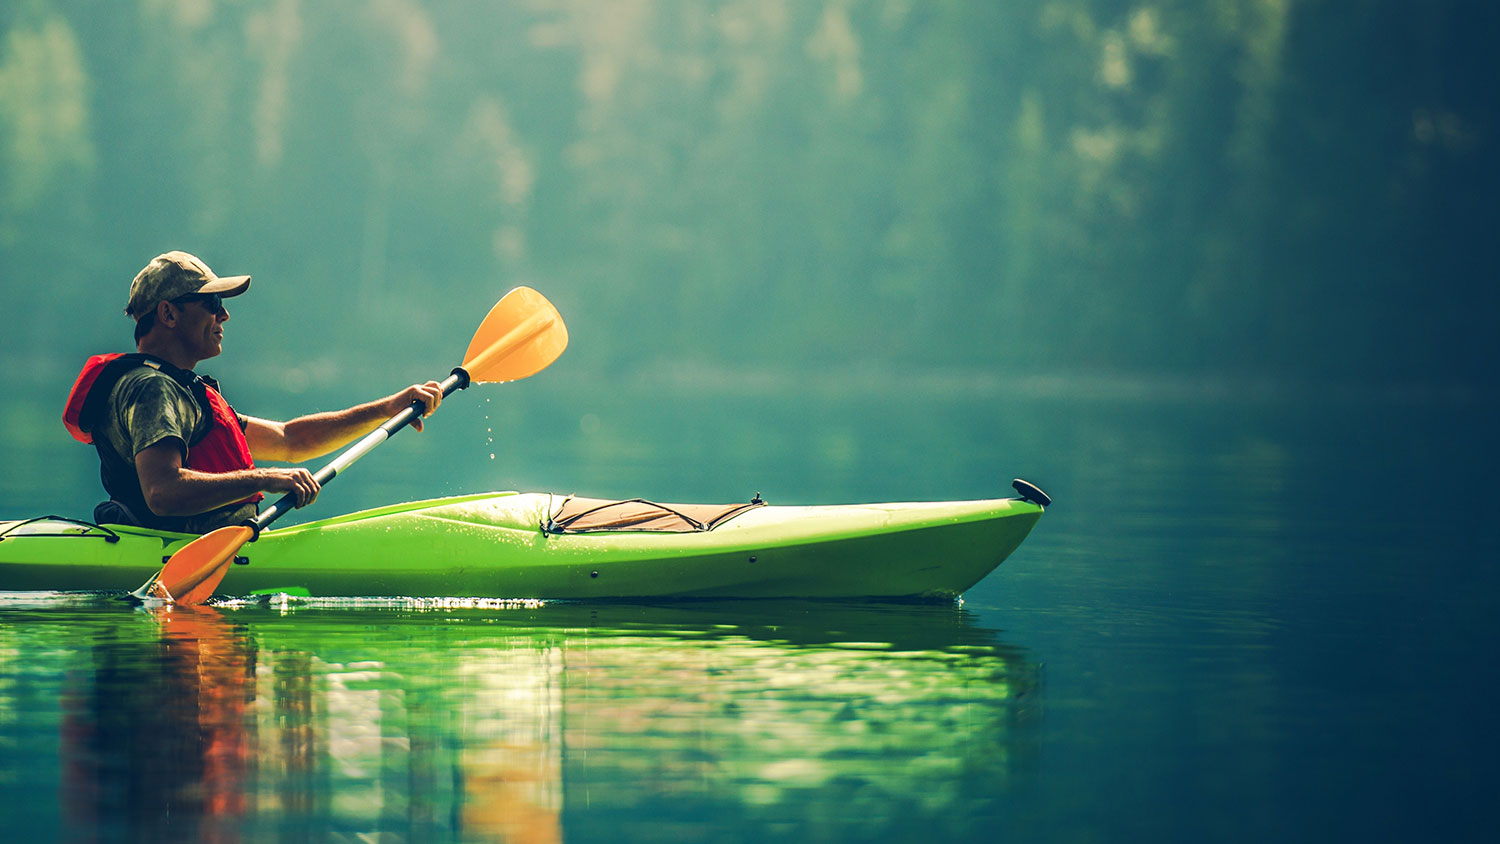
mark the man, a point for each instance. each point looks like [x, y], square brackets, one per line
[173, 454]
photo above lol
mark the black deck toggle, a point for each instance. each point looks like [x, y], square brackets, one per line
[1030, 492]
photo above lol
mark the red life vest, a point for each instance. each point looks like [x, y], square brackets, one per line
[222, 448]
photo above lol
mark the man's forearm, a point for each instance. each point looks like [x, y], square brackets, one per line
[317, 434]
[188, 492]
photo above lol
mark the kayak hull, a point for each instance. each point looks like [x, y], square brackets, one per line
[494, 545]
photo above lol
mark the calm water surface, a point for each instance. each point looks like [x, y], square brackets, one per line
[609, 723]
[1244, 619]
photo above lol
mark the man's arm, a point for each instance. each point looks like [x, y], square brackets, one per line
[172, 489]
[317, 434]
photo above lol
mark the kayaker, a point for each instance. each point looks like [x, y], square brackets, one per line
[173, 454]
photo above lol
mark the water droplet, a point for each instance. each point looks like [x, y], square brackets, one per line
[492, 455]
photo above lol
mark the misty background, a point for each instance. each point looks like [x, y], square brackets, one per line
[772, 226]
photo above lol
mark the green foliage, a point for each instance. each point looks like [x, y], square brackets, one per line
[1249, 185]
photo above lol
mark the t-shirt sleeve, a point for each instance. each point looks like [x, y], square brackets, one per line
[152, 409]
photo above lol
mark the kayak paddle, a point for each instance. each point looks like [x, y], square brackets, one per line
[522, 335]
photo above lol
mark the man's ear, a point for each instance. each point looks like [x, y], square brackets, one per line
[166, 313]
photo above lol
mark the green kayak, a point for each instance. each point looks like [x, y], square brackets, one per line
[540, 545]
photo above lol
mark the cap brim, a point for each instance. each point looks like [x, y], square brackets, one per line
[232, 286]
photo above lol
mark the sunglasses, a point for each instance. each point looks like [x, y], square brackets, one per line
[211, 302]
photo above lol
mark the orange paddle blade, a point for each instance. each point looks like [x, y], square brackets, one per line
[194, 572]
[522, 335]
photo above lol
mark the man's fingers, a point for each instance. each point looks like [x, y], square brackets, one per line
[431, 395]
[299, 483]
[306, 487]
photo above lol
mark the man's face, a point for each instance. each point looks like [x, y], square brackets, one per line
[200, 324]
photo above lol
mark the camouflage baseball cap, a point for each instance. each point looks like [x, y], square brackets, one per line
[174, 274]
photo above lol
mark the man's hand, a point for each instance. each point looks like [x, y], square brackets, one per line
[429, 394]
[299, 482]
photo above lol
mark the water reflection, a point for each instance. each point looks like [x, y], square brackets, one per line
[615, 722]
[870, 726]
[154, 732]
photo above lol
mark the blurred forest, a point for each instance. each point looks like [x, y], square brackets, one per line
[1298, 190]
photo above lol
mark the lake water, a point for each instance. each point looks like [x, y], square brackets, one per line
[1249, 616]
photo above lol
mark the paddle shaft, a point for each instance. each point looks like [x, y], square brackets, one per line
[456, 381]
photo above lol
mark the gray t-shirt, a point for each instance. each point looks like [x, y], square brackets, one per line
[148, 406]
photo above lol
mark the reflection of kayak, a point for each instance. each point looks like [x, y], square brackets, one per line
[779, 716]
[537, 545]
